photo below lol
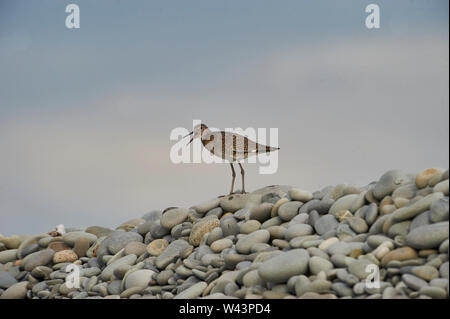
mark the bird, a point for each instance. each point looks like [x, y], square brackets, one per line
[229, 146]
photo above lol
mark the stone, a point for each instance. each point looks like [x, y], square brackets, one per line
[6, 280]
[117, 240]
[328, 242]
[277, 205]
[200, 228]
[439, 210]
[343, 203]
[403, 253]
[423, 178]
[360, 269]
[433, 292]
[157, 246]
[8, 255]
[39, 258]
[64, 256]
[414, 282]
[428, 236]
[229, 226]
[81, 246]
[283, 266]
[108, 271]
[318, 264]
[289, 210]
[193, 291]
[98, 231]
[442, 187]
[245, 243]
[12, 242]
[443, 270]
[16, 291]
[420, 220]
[252, 279]
[390, 181]
[298, 230]
[221, 244]
[249, 226]
[235, 202]
[359, 225]
[207, 206]
[70, 238]
[261, 212]
[175, 249]
[325, 224]
[135, 247]
[58, 246]
[174, 217]
[427, 273]
[371, 213]
[139, 278]
[297, 194]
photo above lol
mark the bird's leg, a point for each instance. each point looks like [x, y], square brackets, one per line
[233, 173]
[242, 174]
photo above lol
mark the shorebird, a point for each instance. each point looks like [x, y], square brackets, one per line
[229, 146]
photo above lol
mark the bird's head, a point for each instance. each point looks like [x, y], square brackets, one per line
[198, 131]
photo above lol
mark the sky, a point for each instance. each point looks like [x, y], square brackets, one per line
[86, 114]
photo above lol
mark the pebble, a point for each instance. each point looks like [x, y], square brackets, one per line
[249, 226]
[229, 226]
[201, 228]
[192, 292]
[108, 272]
[325, 224]
[281, 267]
[433, 292]
[297, 194]
[139, 278]
[439, 210]
[274, 211]
[173, 217]
[318, 264]
[136, 248]
[59, 246]
[261, 212]
[174, 250]
[343, 203]
[298, 230]
[16, 291]
[70, 238]
[221, 244]
[8, 255]
[245, 244]
[414, 282]
[424, 177]
[357, 224]
[359, 268]
[39, 258]
[81, 246]
[428, 236]
[289, 210]
[64, 256]
[442, 187]
[6, 280]
[157, 246]
[207, 206]
[389, 182]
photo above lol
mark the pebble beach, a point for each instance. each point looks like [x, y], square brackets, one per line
[388, 239]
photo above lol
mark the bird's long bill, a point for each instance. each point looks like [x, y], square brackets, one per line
[191, 137]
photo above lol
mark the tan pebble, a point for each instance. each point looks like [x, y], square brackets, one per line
[64, 256]
[425, 176]
[380, 252]
[403, 253]
[156, 247]
[200, 228]
[385, 201]
[427, 252]
[355, 253]
[328, 242]
[400, 202]
[226, 214]
[388, 209]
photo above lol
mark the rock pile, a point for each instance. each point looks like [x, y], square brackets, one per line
[388, 239]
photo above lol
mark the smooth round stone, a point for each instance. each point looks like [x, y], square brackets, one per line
[424, 177]
[357, 224]
[274, 211]
[130, 292]
[427, 273]
[344, 248]
[8, 255]
[289, 210]
[218, 212]
[136, 248]
[342, 290]
[252, 279]
[343, 203]
[245, 244]
[58, 246]
[442, 187]
[163, 277]
[174, 217]
[443, 270]
[401, 229]
[98, 231]
[261, 212]
[214, 235]
[298, 230]
[201, 228]
[242, 214]
[249, 226]
[443, 248]
[371, 213]
[428, 236]
[328, 242]
[360, 269]
[400, 254]
[434, 292]
[389, 182]
[420, 220]
[139, 278]
[157, 231]
[376, 240]
[221, 244]
[414, 282]
[70, 238]
[325, 224]
[235, 202]
[300, 219]
[108, 271]
[298, 194]
[439, 282]
[207, 206]
[6, 280]
[64, 256]
[281, 267]
[119, 239]
[175, 249]
[157, 246]
[81, 246]
[13, 242]
[318, 264]
[16, 291]
[229, 226]
[407, 191]
[193, 291]
[39, 258]
[277, 232]
[439, 210]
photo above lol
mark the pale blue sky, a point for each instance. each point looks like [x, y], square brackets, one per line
[85, 115]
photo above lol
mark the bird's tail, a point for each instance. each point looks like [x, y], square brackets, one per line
[266, 149]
